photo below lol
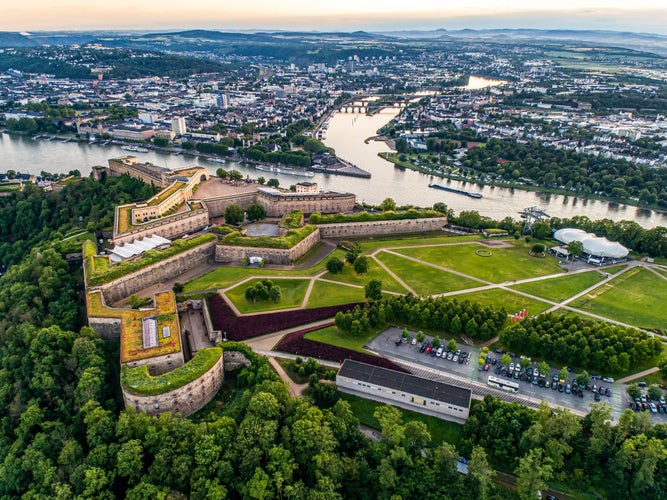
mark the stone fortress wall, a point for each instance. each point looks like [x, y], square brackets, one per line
[225, 253]
[217, 205]
[184, 400]
[350, 229]
[170, 227]
[169, 268]
[277, 203]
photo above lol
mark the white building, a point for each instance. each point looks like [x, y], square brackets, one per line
[433, 398]
[178, 126]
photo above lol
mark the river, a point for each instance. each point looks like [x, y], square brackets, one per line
[346, 133]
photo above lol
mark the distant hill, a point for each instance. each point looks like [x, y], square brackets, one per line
[11, 39]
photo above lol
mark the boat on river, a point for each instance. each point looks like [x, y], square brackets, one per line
[457, 191]
[284, 170]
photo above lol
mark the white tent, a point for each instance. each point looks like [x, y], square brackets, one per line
[594, 246]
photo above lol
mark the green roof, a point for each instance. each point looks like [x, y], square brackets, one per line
[138, 381]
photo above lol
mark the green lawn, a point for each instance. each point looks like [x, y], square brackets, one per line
[504, 264]
[661, 272]
[293, 291]
[226, 276]
[512, 302]
[614, 269]
[347, 275]
[637, 297]
[440, 430]
[431, 238]
[333, 294]
[424, 279]
[334, 336]
[561, 288]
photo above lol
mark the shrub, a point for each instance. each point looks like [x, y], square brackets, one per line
[245, 327]
[296, 343]
[292, 220]
[288, 240]
[318, 218]
[539, 248]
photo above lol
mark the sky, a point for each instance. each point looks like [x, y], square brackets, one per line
[346, 15]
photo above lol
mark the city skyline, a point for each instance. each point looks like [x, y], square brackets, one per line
[371, 15]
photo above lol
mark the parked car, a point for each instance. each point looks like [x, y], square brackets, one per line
[429, 349]
[399, 340]
[438, 353]
[486, 368]
[449, 356]
[511, 368]
[461, 360]
[608, 379]
[653, 408]
[499, 351]
[494, 361]
[423, 347]
[413, 341]
[568, 389]
[597, 397]
[607, 392]
[633, 406]
[641, 384]
[455, 358]
[535, 380]
[561, 387]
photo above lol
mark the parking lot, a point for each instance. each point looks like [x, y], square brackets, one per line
[387, 344]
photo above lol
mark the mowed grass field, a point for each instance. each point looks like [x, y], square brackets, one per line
[225, 276]
[512, 302]
[334, 336]
[375, 271]
[636, 297]
[425, 279]
[561, 288]
[504, 264]
[292, 292]
[333, 294]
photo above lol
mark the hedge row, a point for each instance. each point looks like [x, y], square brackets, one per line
[245, 327]
[138, 381]
[295, 343]
[286, 241]
[115, 271]
[318, 218]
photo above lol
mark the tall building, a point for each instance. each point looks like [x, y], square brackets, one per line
[178, 126]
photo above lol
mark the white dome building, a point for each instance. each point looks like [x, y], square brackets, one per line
[596, 250]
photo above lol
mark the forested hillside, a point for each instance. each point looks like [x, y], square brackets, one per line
[63, 433]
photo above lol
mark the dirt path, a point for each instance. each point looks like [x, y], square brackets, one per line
[393, 274]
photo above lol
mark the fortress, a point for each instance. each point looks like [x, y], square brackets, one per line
[162, 368]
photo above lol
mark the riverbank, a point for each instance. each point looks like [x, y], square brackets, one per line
[393, 158]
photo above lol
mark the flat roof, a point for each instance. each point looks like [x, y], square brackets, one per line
[437, 391]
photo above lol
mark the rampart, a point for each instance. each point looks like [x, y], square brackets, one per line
[286, 256]
[168, 268]
[350, 229]
[276, 203]
[217, 205]
[186, 399]
[170, 227]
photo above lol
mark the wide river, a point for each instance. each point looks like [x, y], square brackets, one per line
[346, 133]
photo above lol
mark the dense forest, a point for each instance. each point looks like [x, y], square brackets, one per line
[581, 173]
[34, 215]
[63, 433]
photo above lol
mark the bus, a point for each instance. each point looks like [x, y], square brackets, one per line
[505, 385]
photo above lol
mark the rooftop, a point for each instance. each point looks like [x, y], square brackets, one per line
[165, 320]
[418, 386]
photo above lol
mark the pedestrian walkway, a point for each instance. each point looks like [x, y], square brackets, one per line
[635, 376]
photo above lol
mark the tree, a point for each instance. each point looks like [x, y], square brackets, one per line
[436, 341]
[178, 287]
[373, 290]
[401, 145]
[235, 176]
[441, 207]
[273, 183]
[360, 265]
[256, 212]
[506, 359]
[576, 248]
[351, 256]
[634, 391]
[261, 180]
[563, 374]
[452, 345]
[654, 392]
[583, 379]
[532, 474]
[541, 230]
[222, 173]
[544, 368]
[420, 336]
[387, 205]
[480, 470]
[335, 265]
[233, 214]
